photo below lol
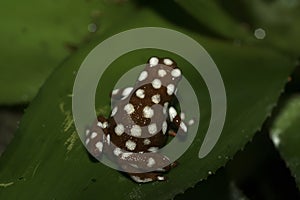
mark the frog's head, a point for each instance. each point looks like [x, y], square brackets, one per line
[161, 72]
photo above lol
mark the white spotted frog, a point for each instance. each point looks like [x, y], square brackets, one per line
[140, 122]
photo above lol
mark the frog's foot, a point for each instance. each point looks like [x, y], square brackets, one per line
[171, 166]
[178, 123]
[147, 177]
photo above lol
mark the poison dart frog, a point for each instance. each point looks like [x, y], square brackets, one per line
[140, 122]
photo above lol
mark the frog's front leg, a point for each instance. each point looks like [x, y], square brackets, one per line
[122, 93]
[97, 138]
[177, 122]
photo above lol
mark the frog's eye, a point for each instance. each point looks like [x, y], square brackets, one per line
[168, 61]
[154, 61]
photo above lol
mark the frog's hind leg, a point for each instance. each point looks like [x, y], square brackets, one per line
[145, 167]
[97, 137]
[157, 175]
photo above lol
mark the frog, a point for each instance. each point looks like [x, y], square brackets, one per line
[140, 123]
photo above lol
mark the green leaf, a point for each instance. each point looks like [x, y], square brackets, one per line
[280, 21]
[215, 18]
[47, 159]
[285, 135]
[37, 35]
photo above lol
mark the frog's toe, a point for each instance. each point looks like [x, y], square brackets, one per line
[148, 177]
